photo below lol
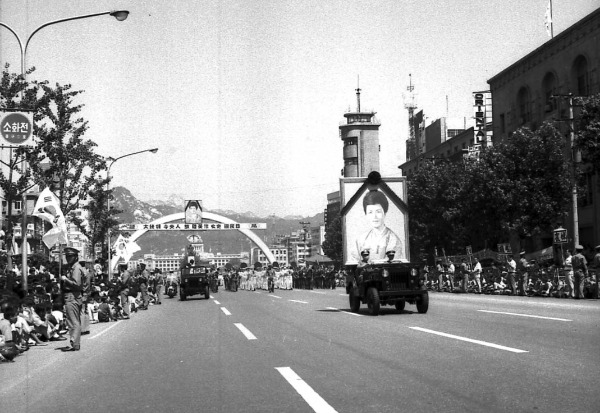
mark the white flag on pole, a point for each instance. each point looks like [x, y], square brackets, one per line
[125, 248]
[548, 18]
[47, 207]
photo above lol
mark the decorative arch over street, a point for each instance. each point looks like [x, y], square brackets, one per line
[209, 216]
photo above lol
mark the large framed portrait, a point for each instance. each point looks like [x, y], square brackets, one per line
[193, 212]
[374, 220]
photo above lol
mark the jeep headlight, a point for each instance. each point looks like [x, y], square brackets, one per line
[414, 272]
[385, 273]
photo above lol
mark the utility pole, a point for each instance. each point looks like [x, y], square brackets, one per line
[575, 159]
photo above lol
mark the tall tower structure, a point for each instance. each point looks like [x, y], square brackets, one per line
[360, 135]
[412, 147]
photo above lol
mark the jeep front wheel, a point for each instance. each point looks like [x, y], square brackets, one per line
[181, 295]
[373, 300]
[206, 292]
[354, 301]
[423, 303]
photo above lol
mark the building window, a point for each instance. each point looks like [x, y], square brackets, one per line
[524, 106]
[351, 161]
[549, 89]
[350, 141]
[581, 76]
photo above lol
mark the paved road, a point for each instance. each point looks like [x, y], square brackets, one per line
[302, 351]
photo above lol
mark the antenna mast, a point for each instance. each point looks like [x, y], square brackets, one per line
[411, 147]
[358, 93]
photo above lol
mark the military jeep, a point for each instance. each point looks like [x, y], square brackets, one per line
[194, 280]
[386, 283]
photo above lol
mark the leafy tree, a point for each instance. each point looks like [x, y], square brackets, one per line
[99, 219]
[521, 187]
[587, 138]
[435, 203]
[70, 161]
[516, 189]
[332, 246]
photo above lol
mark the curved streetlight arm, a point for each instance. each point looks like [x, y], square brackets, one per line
[119, 15]
[125, 156]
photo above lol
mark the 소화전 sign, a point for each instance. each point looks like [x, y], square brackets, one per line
[16, 128]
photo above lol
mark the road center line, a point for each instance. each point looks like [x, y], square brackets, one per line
[483, 343]
[342, 311]
[245, 331]
[104, 331]
[226, 311]
[276, 296]
[317, 292]
[343, 294]
[525, 315]
[298, 301]
[217, 303]
[311, 397]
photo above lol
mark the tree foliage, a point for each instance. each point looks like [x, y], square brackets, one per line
[587, 138]
[332, 246]
[516, 189]
[72, 165]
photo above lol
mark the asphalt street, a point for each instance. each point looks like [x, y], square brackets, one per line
[303, 351]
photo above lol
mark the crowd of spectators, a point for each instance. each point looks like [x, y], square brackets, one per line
[36, 317]
[543, 279]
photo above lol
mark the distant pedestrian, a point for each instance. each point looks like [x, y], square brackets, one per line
[568, 271]
[579, 271]
[450, 274]
[440, 274]
[523, 274]
[143, 284]
[512, 275]
[464, 273]
[160, 283]
[477, 274]
[124, 286]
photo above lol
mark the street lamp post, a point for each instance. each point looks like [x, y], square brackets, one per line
[110, 266]
[120, 15]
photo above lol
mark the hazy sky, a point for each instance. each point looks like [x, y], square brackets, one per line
[244, 98]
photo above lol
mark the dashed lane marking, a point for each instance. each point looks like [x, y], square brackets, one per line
[343, 294]
[316, 402]
[217, 303]
[483, 343]
[342, 311]
[245, 331]
[276, 296]
[525, 315]
[317, 292]
[226, 311]
[298, 301]
[104, 331]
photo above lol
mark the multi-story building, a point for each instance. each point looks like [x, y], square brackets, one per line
[452, 149]
[280, 252]
[360, 134]
[533, 90]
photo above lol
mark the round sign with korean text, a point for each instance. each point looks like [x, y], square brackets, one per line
[16, 128]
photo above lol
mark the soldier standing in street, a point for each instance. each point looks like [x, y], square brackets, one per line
[86, 285]
[143, 283]
[579, 271]
[124, 291]
[72, 286]
[568, 271]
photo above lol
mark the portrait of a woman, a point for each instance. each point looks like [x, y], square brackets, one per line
[379, 239]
